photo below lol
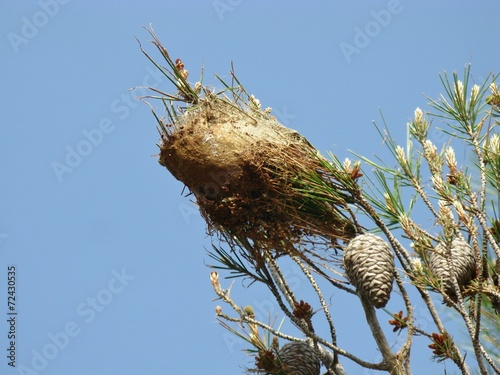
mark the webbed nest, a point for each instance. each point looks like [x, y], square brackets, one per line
[245, 169]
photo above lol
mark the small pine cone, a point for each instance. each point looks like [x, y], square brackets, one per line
[369, 264]
[299, 358]
[463, 260]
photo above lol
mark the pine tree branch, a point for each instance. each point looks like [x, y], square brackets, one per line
[324, 307]
[280, 280]
[394, 366]
[404, 351]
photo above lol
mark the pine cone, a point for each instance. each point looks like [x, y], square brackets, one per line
[463, 260]
[298, 358]
[369, 264]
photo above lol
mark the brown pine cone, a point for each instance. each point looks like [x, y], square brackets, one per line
[299, 358]
[369, 264]
[463, 260]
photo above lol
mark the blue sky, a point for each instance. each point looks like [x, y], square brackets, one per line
[110, 258]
